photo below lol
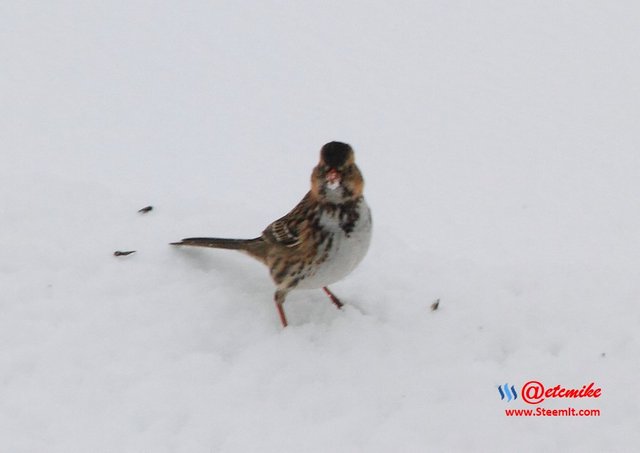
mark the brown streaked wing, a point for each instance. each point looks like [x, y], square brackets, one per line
[286, 230]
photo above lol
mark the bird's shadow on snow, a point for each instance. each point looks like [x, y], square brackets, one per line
[314, 307]
[244, 275]
[231, 267]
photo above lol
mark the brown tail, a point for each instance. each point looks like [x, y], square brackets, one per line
[254, 247]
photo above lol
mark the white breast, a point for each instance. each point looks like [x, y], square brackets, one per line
[346, 251]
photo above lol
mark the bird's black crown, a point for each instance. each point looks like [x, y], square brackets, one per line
[335, 154]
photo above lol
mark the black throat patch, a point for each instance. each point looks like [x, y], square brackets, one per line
[347, 213]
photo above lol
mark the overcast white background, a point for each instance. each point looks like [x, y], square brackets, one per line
[499, 143]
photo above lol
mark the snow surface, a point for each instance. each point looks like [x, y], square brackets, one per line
[499, 143]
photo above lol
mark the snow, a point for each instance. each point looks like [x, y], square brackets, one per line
[498, 141]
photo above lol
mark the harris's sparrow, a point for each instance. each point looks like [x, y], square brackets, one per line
[321, 240]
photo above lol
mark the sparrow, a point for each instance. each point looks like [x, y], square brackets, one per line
[321, 240]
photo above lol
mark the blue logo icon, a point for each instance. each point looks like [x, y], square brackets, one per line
[507, 392]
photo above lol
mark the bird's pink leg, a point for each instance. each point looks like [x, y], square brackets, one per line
[279, 298]
[333, 297]
[283, 317]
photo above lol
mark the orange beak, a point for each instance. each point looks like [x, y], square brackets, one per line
[333, 179]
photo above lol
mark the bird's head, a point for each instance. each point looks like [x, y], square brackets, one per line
[336, 178]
